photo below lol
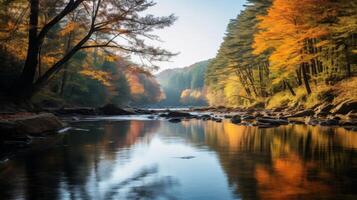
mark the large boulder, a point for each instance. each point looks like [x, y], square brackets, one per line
[35, 125]
[111, 109]
[345, 107]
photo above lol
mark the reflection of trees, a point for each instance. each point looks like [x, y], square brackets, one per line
[282, 162]
[84, 157]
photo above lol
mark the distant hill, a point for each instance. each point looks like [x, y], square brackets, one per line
[187, 81]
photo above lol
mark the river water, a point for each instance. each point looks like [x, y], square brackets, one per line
[141, 159]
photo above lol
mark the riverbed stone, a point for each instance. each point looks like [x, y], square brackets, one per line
[236, 119]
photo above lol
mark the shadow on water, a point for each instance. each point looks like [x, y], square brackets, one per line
[140, 160]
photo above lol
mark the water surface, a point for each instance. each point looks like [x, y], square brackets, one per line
[138, 159]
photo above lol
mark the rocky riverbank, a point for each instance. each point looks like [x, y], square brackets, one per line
[19, 129]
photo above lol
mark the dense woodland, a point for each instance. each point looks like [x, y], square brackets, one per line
[79, 52]
[184, 86]
[278, 52]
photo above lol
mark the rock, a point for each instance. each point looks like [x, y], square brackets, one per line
[304, 113]
[111, 109]
[248, 117]
[257, 114]
[272, 121]
[351, 115]
[296, 121]
[175, 120]
[330, 122]
[322, 114]
[205, 117]
[311, 121]
[265, 125]
[324, 108]
[351, 128]
[348, 123]
[228, 116]
[174, 114]
[345, 107]
[77, 111]
[217, 120]
[245, 124]
[236, 119]
[35, 125]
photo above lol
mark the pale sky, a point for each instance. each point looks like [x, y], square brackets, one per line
[199, 30]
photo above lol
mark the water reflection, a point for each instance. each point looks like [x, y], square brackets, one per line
[141, 160]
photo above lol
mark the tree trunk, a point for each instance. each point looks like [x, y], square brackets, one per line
[290, 88]
[348, 64]
[298, 76]
[305, 78]
[65, 68]
[29, 71]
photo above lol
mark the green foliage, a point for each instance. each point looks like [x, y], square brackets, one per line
[175, 81]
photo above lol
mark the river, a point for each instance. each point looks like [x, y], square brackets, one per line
[154, 159]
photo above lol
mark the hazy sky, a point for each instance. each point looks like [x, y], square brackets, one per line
[198, 32]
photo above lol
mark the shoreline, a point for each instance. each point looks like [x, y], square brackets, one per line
[19, 129]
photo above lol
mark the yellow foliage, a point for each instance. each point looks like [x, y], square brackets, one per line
[101, 76]
[71, 26]
[346, 89]
[135, 86]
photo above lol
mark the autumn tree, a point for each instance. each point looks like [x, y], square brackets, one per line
[115, 25]
[293, 30]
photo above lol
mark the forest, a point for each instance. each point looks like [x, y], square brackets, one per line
[184, 86]
[287, 53]
[80, 52]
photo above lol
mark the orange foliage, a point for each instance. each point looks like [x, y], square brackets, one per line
[285, 29]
